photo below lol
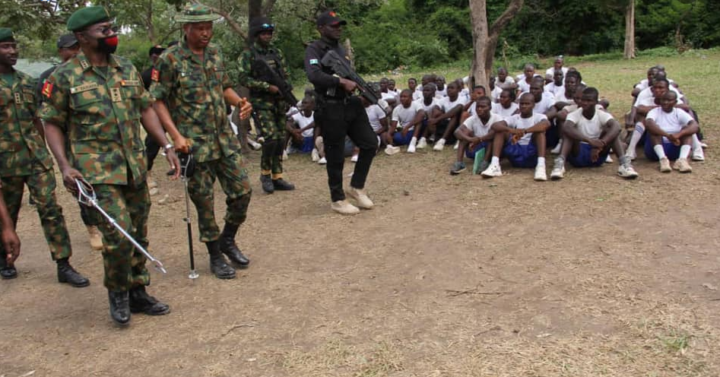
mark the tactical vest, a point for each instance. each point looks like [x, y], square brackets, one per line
[272, 59]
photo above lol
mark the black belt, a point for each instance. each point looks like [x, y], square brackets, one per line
[343, 101]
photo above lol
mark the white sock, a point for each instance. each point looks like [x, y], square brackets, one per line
[541, 161]
[495, 160]
[696, 144]
[637, 134]
[413, 141]
[659, 151]
[441, 139]
[684, 151]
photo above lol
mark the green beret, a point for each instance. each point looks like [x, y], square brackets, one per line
[196, 13]
[87, 16]
[6, 35]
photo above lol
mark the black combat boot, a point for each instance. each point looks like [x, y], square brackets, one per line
[7, 272]
[119, 307]
[218, 264]
[267, 184]
[67, 274]
[229, 247]
[282, 185]
[141, 302]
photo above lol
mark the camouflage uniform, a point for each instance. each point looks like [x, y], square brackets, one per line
[270, 108]
[100, 113]
[193, 91]
[24, 160]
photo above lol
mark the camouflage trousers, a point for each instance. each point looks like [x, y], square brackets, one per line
[42, 190]
[272, 126]
[231, 173]
[129, 206]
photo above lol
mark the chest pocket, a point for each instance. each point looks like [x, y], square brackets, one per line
[132, 92]
[192, 85]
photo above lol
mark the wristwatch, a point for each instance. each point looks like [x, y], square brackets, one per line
[167, 147]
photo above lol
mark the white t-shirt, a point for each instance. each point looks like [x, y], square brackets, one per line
[647, 92]
[671, 122]
[518, 122]
[523, 85]
[545, 103]
[302, 121]
[498, 109]
[644, 84]
[445, 104]
[417, 95]
[404, 115]
[466, 94]
[552, 88]
[441, 93]
[478, 128]
[591, 128]
[560, 96]
[375, 113]
[508, 81]
[551, 71]
[389, 96]
[495, 94]
[427, 108]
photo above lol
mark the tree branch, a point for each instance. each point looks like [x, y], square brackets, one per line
[505, 18]
[234, 25]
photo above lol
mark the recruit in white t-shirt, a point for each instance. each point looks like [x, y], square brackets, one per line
[441, 93]
[647, 92]
[498, 109]
[518, 122]
[389, 96]
[446, 104]
[478, 128]
[672, 122]
[302, 121]
[552, 88]
[404, 115]
[417, 95]
[551, 71]
[545, 103]
[508, 81]
[591, 128]
[375, 113]
[428, 108]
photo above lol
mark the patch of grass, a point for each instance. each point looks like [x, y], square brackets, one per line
[385, 359]
[676, 341]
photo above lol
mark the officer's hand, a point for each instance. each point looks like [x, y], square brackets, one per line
[245, 108]
[347, 85]
[174, 162]
[11, 242]
[182, 145]
[69, 176]
[273, 89]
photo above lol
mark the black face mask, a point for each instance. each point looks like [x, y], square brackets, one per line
[108, 45]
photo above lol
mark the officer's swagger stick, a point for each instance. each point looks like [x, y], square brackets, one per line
[87, 197]
[187, 167]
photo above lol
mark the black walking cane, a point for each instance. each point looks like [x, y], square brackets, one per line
[187, 168]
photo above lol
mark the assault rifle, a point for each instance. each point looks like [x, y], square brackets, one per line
[341, 67]
[268, 74]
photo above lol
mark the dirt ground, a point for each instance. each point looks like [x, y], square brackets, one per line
[447, 276]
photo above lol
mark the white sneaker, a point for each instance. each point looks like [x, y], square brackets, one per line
[609, 160]
[315, 155]
[344, 207]
[363, 201]
[665, 165]
[411, 148]
[682, 165]
[492, 171]
[540, 173]
[698, 155]
[322, 161]
[254, 145]
[422, 143]
[558, 171]
[626, 171]
[457, 145]
[391, 150]
[354, 158]
[557, 148]
[439, 145]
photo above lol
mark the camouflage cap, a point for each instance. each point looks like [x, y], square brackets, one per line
[192, 13]
[87, 16]
[6, 35]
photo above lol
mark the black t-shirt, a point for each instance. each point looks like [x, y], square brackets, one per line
[146, 77]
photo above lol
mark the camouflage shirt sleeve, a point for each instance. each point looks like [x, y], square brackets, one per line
[245, 73]
[145, 100]
[55, 101]
[225, 80]
[285, 68]
[163, 78]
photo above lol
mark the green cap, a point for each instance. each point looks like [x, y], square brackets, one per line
[6, 35]
[196, 13]
[86, 17]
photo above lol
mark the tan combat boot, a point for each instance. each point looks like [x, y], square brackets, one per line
[95, 238]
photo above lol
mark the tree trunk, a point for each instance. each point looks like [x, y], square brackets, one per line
[629, 51]
[149, 23]
[350, 52]
[485, 39]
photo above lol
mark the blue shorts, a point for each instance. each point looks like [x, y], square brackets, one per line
[398, 138]
[521, 156]
[307, 145]
[672, 151]
[582, 159]
[471, 153]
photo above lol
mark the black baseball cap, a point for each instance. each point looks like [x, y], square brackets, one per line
[156, 50]
[330, 18]
[66, 41]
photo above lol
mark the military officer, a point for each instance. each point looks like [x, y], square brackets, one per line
[24, 160]
[191, 87]
[339, 114]
[267, 102]
[96, 103]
